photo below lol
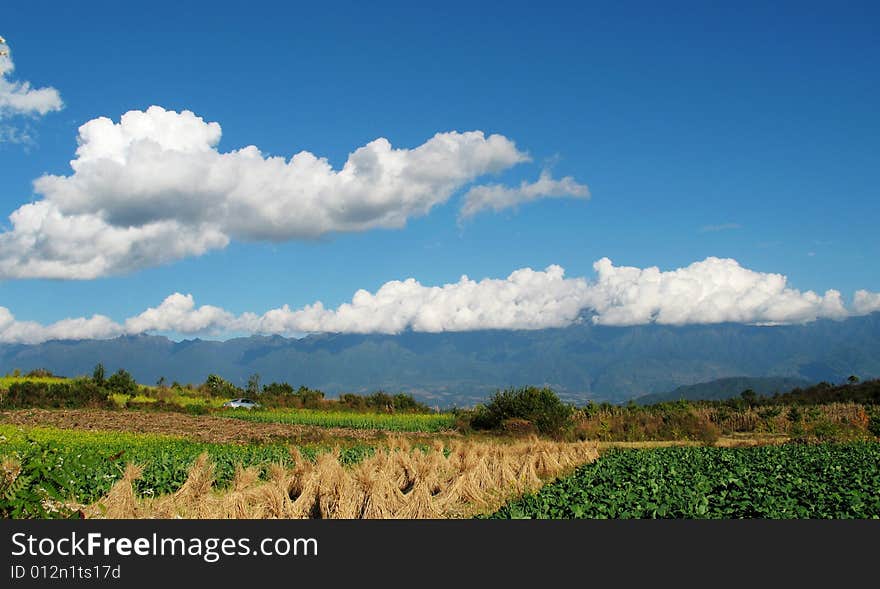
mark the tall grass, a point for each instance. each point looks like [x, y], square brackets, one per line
[704, 422]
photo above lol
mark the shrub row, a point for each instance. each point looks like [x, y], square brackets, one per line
[69, 394]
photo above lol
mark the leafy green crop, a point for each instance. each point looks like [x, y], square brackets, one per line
[771, 482]
[415, 422]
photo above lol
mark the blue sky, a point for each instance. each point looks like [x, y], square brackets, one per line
[756, 120]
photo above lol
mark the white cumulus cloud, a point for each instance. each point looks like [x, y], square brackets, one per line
[31, 332]
[497, 197]
[153, 188]
[713, 290]
[20, 98]
[865, 302]
[526, 299]
[179, 313]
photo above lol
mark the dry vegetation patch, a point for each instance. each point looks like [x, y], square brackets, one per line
[459, 480]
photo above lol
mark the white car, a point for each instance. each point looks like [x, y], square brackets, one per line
[241, 404]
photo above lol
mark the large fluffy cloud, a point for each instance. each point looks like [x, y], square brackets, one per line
[714, 290]
[20, 98]
[179, 313]
[865, 302]
[31, 332]
[710, 291]
[496, 197]
[153, 187]
[45, 242]
[527, 299]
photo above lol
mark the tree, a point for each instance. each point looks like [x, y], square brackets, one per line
[749, 396]
[218, 386]
[122, 382]
[309, 398]
[853, 379]
[278, 389]
[161, 382]
[253, 385]
[98, 374]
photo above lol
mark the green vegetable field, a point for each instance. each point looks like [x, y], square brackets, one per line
[771, 482]
[81, 466]
[411, 422]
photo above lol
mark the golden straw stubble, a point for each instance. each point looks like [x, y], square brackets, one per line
[398, 481]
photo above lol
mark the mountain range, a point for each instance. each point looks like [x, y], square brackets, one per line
[580, 362]
[726, 388]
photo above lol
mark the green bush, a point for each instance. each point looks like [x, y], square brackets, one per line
[874, 424]
[381, 401]
[407, 403]
[35, 483]
[540, 406]
[217, 386]
[164, 406]
[278, 395]
[309, 398]
[826, 431]
[123, 383]
[277, 389]
[67, 395]
[195, 409]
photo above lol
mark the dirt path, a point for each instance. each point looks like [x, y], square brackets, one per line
[204, 428]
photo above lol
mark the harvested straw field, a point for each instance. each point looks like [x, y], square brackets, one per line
[459, 480]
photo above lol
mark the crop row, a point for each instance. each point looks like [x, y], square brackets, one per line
[771, 482]
[412, 422]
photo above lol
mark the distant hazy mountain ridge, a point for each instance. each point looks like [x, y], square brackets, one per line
[726, 388]
[580, 362]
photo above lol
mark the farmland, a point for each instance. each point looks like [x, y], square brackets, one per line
[201, 428]
[109, 447]
[407, 422]
[80, 466]
[50, 472]
[772, 482]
